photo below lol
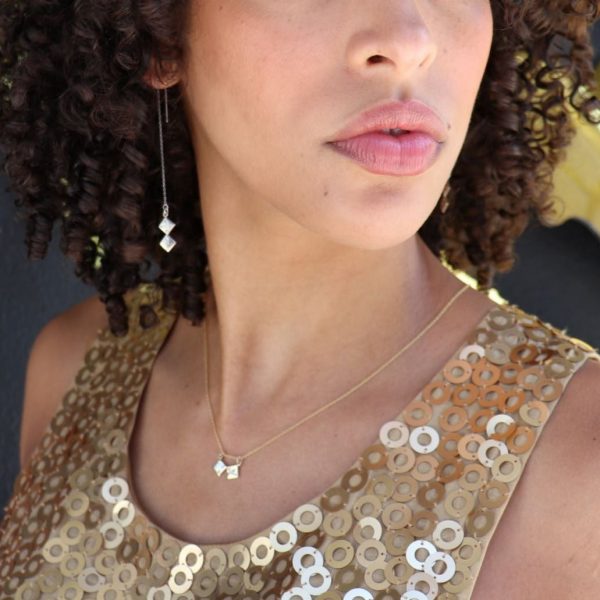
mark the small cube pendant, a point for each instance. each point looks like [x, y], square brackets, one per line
[167, 243]
[166, 225]
[233, 472]
[220, 467]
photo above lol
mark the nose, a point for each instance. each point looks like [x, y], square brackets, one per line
[392, 36]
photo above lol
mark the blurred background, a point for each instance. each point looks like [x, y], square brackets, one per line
[557, 277]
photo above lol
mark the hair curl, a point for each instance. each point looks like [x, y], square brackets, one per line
[78, 126]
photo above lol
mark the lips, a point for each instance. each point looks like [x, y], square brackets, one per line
[408, 115]
[397, 138]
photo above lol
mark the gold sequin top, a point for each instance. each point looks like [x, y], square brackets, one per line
[410, 520]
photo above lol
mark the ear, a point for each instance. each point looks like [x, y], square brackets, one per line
[162, 76]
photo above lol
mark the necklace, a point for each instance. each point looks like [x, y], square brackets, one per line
[233, 470]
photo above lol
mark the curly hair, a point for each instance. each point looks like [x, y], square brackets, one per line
[78, 126]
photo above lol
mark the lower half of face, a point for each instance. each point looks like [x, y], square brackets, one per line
[269, 85]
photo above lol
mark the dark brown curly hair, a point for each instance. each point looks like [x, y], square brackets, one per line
[78, 126]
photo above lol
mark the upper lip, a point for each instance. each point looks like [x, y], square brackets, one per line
[410, 115]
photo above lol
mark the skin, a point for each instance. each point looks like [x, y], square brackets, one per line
[296, 232]
[318, 278]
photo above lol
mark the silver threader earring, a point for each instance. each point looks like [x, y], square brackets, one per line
[166, 225]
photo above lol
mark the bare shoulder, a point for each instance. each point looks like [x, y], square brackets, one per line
[568, 465]
[54, 359]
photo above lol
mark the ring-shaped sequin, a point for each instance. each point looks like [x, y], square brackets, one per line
[485, 447]
[417, 413]
[527, 413]
[112, 533]
[48, 551]
[120, 484]
[485, 373]
[180, 580]
[431, 465]
[465, 394]
[558, 368]
[299, 555]
[370, 463]
[437, 392]
[286, 528]
[421, 577]
[466, 441]
[406, 488]
[459, 503]
[390, 570]
[450, 469]
[413, 548]
[336, 547]
[261, 542]
[448, 447]
[512, 401]
[435, 488]
[421, 531]
[72, 564]
[453, 418]
[432, 442]
[369, 501]
[547, 390]
[457, 371]
[370, 552]
[358, 594]
[319, 571]
[126, 507]
[501, 490]
[396, 508]
[382, 486]
[215, 560]
[191, 550]
[474, 517]
[401, 460]
[399, 428]
[440, 539]
[529, 438]
[374, 577]
[506, 459]
[475, 550]
[466, 351]
[241, 551]
[334, 498]
[498, 419]
[311, 510]
[414, 595]
[343, 518]
[447, 573]
[89, 580]
[357, 475]
[297, 591]
[367, 523]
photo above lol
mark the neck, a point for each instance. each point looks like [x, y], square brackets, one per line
[284, 330]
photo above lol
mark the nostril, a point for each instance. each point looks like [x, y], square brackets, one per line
[377, 58]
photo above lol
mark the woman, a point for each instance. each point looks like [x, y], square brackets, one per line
[311, 166]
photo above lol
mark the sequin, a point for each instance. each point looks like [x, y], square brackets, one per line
[409, 520]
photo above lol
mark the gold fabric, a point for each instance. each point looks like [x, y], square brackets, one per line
[411, 519]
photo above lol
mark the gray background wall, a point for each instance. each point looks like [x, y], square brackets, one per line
[557, 277]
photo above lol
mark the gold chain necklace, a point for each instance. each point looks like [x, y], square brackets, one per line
[233, 470]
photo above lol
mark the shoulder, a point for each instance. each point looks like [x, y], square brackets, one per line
[54, 358]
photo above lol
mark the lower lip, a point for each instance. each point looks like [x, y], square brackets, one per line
[409, 153]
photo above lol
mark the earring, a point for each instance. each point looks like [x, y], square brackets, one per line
[444, 202]
[166, 225]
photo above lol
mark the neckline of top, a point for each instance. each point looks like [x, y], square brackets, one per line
[170, 321]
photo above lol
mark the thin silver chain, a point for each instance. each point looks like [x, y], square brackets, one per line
[329, 404]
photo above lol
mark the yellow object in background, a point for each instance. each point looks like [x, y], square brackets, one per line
[577, 180]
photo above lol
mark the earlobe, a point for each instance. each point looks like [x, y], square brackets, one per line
[164, 76]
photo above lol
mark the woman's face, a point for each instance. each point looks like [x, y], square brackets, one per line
[268, 83]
